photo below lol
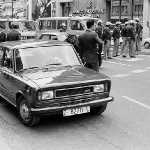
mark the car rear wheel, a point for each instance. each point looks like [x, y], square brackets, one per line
[26, 117]
[147, 45]
[98, 110]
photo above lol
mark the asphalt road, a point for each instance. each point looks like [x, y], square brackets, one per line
[125, 125]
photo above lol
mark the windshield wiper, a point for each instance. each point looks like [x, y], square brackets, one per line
[34, 67]
[54, 64]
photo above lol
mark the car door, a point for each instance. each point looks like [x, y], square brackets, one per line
[6, 75]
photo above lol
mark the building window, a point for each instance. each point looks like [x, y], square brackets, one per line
[115, 9]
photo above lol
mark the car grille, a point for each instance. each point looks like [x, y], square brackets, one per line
[73, 91]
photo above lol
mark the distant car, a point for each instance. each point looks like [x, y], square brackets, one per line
[60, 36]
[43, 77]
[146, 43]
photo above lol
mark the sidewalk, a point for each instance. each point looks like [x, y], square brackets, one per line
[144, 51]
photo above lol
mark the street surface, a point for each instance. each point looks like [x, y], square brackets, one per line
[125, 125]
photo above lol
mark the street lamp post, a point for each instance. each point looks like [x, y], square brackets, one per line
[120, 10]
[12, 8]
[132, 5]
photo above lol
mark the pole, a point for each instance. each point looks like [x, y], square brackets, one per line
[120, 10]
[12, 8]
[132, 9]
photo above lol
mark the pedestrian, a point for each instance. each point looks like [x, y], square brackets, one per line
[99, 31]
[123, 34]
[138, 35]
[13, 35]
[63, 28]
[116, 38]
[88, 44]
[130, 40]
[107, 40]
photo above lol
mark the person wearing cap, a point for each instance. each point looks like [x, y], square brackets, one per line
[116, 37]
[63, 28]
[99, 31]
[88, 43]
[138, 29]
[130, 40]
[123, 34]
[106, 37]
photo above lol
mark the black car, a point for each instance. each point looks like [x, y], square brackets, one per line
[48, 77]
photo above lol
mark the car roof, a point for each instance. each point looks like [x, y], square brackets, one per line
[31, 43]
[54, 33]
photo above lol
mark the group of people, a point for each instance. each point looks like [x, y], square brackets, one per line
[97, 39]
[12, 35]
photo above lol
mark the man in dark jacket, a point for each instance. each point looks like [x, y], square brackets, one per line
[138, 35]
[107, 40]
[130, 41]
[2, 36]
[99, 31]
[88, 43]
[13, 35]
[116, 37]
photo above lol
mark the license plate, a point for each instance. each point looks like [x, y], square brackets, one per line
[75, 111]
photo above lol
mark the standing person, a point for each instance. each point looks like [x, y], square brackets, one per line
[63, 28]
[2, 36]
[107, 40]
[123, 34]
[138, 35]
[99, 31]
[13, 35]
[88, 43]
[130, 40]
[116, 37]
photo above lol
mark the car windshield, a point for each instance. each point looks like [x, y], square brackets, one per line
[28, 25]
[62, 37]
[45, 57]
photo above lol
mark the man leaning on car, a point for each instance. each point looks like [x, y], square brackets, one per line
[88, 43]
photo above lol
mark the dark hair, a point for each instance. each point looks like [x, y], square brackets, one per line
[90, 23]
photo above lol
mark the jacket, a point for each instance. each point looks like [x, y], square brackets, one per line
[130, 31]
[13, 35]
[116, 33]
[106, 34]
[88, 44]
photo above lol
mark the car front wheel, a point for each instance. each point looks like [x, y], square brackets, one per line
[26, 117]
[98, 110]
[147, 45]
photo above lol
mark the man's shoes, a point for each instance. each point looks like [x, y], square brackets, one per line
[110, 57]
[117, 55]
[124, 56]
[114, 55]
[132, 56]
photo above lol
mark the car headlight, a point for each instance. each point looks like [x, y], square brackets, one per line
[99, 88]
[45, 95]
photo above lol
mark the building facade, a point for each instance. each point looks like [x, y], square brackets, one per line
[126, 10]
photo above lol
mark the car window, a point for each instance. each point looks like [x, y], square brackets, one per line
[51, 24]
[51, 55]
[76, 25]
[62, 37]
[42, 24]
[2, 25]
[53, 37]
[45, 37]
[59, 24]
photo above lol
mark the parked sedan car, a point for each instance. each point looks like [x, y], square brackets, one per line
[46, 78]
[146, 43]
[53, 36]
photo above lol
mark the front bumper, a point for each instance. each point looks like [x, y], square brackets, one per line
[61, 108]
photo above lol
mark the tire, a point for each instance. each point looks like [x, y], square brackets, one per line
[147, 45]
[98, 110]
[26, 117]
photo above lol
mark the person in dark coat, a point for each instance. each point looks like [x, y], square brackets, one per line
[13, 35]
[130, 40]
[116, 38]
[99, 31]
[88, 43]
[107, 40]
[2, 36]
[63, 28]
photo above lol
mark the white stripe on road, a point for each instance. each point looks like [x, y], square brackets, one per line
[118, 63]
[138, 71]
[134, 59]
[139, 103]
[120, 75]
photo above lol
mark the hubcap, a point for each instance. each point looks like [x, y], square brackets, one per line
[146, 45]
[24, 110]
